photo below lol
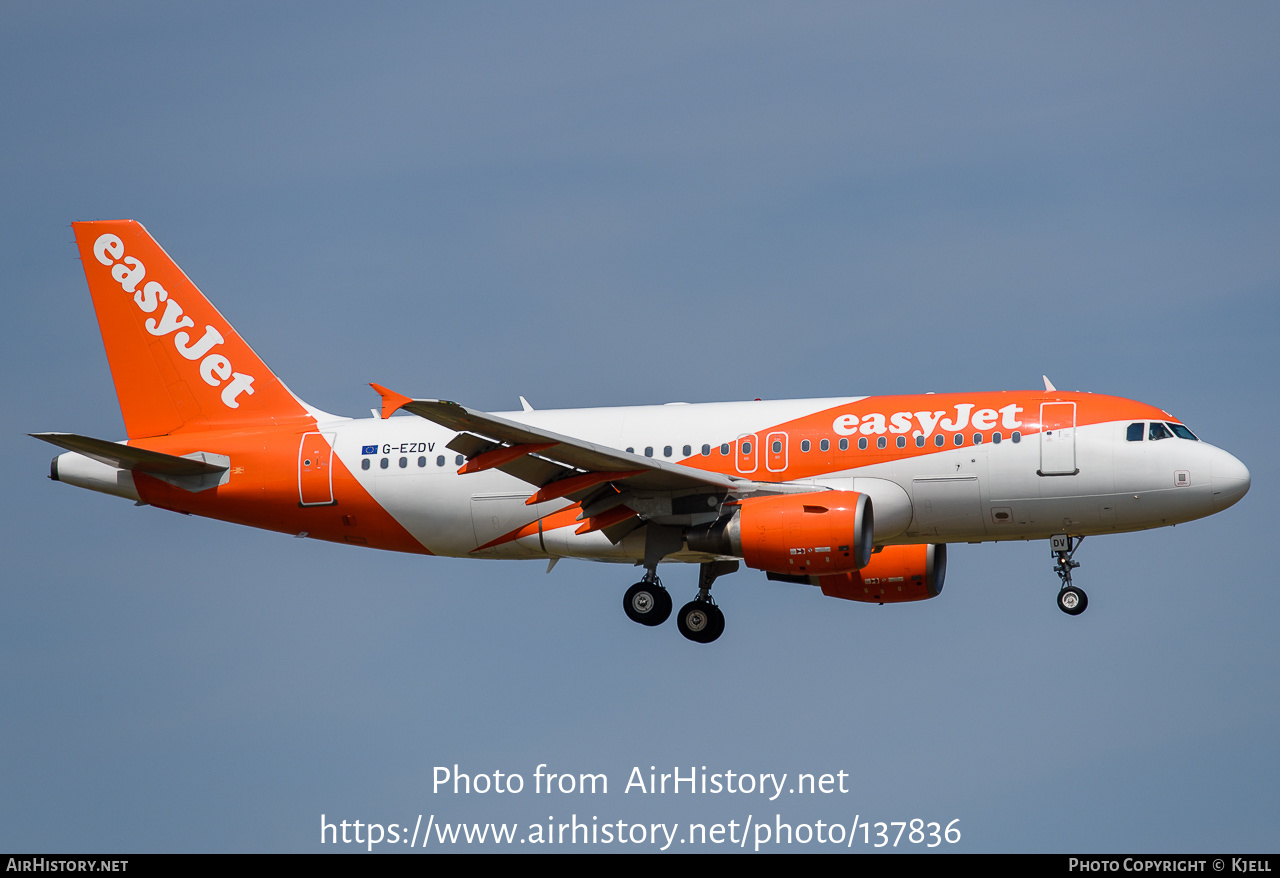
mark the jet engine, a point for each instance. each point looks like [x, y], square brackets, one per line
[824, 532]
[896, 574]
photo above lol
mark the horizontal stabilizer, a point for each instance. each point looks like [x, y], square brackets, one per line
[134, 459]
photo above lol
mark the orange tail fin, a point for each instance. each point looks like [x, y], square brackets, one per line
[178, 365]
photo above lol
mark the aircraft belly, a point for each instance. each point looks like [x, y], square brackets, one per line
[424, 506]
[497, 516]
[564, 542]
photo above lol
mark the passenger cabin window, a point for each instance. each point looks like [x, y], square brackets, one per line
[844, 444]
[383, 463]
[1015, 437]
[919, 442]
[862, 444]
[422, 461]
[804, 445]
[724, 449]
[1158, 431]
[881, 442]
[824, 445]
[404, 462]
[938, 440]
[1135, 431]
[364, 464]
[902, 441]
[687, 451]
[666, 451]
[996, 438]
[648, 451]
[777, 446]
[440, 460]
[706, 450]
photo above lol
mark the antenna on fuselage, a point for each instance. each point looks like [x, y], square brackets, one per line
[1048, 385]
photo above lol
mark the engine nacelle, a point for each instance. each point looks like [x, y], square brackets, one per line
[794, 534]
[896, 574]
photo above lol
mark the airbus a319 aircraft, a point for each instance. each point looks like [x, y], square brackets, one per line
[856, 495]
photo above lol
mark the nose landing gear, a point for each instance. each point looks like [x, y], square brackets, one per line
[1071, 600]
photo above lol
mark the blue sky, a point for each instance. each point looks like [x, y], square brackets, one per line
[593, 204]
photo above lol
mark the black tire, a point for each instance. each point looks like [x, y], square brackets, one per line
[647, 603]
[1072, 601]
[664, 608]
[718, 626]
[700, 621]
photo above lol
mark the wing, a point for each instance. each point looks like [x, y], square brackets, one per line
[618, 490]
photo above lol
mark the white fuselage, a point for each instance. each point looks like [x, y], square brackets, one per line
[974, 492]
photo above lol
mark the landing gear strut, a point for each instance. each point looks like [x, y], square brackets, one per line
[1071, 600]
[647, 602]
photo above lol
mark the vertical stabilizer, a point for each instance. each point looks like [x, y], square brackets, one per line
[178, 365]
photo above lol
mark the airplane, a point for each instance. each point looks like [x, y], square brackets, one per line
[856, 495]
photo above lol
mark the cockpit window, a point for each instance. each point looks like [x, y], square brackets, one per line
[1158, 431]
[1135, 432]
[1182, 432]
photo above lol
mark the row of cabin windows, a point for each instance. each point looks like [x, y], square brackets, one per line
[825, 444]
[385, 463]
[805, 446]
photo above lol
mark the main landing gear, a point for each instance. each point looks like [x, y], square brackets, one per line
[647, 602]
[1071, 600]
[700, 620]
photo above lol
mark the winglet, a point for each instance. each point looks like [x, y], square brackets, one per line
[391, 401]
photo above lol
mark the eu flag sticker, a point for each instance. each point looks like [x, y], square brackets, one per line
[369, 449]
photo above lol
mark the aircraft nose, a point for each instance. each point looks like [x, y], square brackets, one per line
[1228, 479]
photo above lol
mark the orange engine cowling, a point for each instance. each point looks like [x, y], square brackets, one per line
[794, 534]
[896, 574]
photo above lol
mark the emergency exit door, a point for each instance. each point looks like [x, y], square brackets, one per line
[315, 469]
